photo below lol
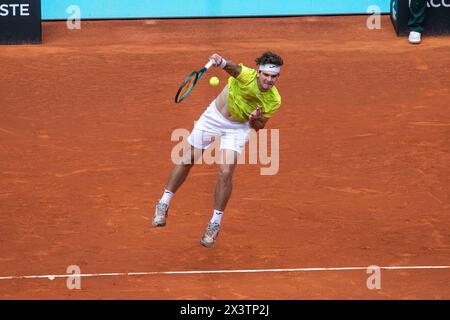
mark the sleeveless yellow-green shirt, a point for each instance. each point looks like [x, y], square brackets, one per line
[244, 96]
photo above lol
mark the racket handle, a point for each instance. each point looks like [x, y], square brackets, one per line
[209, 64]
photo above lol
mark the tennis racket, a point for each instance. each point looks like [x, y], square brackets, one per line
[190, 81]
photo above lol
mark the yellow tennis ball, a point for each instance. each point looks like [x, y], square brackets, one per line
[214, 81]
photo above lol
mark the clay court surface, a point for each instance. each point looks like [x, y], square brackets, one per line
[364, 177]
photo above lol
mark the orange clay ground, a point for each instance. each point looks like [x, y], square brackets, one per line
[364, 177]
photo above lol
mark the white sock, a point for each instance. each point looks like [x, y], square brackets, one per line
[167, 196]
[217, 216]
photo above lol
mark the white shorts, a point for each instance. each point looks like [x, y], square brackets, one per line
[212, 124]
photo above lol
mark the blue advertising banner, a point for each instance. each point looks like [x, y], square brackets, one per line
[110, 9]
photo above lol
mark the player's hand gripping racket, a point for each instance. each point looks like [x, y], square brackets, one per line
[190, 81]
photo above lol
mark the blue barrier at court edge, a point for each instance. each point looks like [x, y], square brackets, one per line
[117, 9]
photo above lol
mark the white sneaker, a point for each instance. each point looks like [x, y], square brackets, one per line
[210, 235]
[160, 217]
[415, 37]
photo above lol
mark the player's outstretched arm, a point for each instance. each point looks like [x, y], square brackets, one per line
[233, 69]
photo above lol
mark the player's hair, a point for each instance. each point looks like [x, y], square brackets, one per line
[269, 57]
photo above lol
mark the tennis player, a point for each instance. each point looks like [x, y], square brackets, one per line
[248, 101]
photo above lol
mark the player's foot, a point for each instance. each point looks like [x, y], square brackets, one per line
[210, 235]
[160, 217]
[415, 37]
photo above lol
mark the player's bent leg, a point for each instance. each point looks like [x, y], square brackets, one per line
[222, 194]
[224, 186]
[177, 176]
[180, 171]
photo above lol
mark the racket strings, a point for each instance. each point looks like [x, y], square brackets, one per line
[186, 87]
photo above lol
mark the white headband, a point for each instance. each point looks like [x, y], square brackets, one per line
[269, 68]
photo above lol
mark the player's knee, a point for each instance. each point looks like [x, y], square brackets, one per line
[226, 172]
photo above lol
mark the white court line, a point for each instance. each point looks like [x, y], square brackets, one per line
[54, 276]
